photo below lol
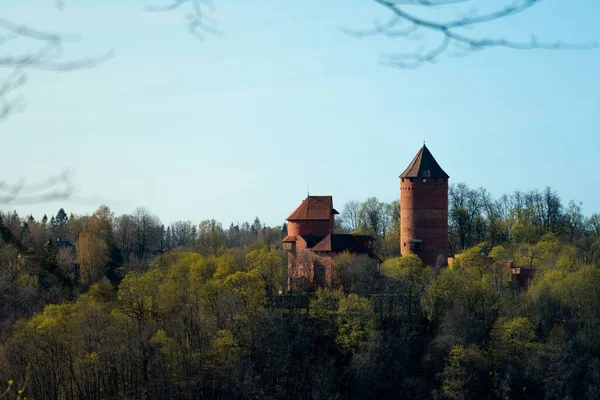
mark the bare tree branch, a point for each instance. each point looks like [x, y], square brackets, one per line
[198, 18]
[57, 187]
[23, 49]
[455, 40]
[33, 50]
[10, 104]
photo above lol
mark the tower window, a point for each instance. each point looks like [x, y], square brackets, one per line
[416, 245]
[411, 179]
[402, 179]
[424, 180]
[435, 180]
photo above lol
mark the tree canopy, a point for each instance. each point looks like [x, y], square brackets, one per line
[122, 306]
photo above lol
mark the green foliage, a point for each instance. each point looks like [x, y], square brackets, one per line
[525, 234]
[138, 294]
[270, 266]
[193, 324]
[102, 291]
[407, 280]
[212, 319]
[475, 257]
[498, 253]
[569, 259]
[464, 373]
[357, 322]
[570, 299]
[405, 267]
[323, 310]
[249, 289]
[514, 336]
[355, 274]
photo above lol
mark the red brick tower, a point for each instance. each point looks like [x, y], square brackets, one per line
[315, 216]
[424, 210]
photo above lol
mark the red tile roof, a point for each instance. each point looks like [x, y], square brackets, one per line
[314, 208]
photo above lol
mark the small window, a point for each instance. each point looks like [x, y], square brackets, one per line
[411, 179]
[415, 245]
[402, 179]
[424, 180]
[435, 180]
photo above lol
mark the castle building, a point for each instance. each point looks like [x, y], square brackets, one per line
[424, 210]
[311, 243]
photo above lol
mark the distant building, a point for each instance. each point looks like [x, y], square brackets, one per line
[59, 245]
[522, 276]
[63, 244]
[311, 243]
[424, 210]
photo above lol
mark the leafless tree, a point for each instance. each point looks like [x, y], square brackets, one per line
[145, 235]
[350, 215]
[373, 218]
[212, 239]
[417, 20]
[184, 234]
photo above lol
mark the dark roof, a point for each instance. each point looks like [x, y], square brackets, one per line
[363, 237]
[424, 166]
[311, 240]
[339, 243]
[63, 243]
[314, 208]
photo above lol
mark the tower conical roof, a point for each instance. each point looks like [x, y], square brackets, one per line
[424, 166]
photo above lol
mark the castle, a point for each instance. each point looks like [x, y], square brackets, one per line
[311, 242]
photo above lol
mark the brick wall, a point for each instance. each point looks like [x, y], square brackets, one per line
[316, 228]
[424, 215]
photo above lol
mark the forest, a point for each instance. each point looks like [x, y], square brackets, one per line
[104, 306]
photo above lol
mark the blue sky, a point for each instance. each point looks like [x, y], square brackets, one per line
[239, 125]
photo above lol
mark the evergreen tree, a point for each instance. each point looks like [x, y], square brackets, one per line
[168, 239]
[61, 217]
[24, 228]
[256, 228]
